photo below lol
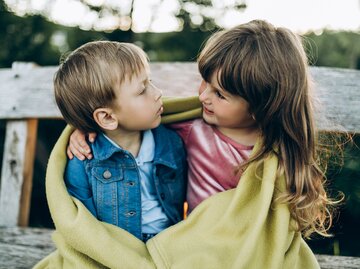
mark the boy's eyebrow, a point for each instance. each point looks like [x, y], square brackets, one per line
[144, 80]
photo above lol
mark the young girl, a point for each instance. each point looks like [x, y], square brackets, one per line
[256, 85]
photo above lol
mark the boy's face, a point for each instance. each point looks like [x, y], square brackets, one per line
[223, 109]
[138, 103]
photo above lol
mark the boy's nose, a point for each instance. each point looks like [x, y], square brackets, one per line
[157, 92]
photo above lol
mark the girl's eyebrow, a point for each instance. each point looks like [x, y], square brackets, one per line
[223, 92]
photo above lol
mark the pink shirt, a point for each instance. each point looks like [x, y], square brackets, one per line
[212, 158]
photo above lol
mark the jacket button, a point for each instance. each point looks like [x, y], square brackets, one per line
[162, 196]
[107, 174]
[130, 213]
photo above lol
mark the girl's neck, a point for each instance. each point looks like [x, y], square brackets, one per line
[127, 140]
[244, 136]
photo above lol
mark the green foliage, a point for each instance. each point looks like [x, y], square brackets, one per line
[336, 49]
[25, 39]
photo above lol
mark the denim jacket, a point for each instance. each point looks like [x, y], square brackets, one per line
[108, 185]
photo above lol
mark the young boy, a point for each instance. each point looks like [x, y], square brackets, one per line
[137, 177]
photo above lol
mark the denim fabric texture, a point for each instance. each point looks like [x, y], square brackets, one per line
[109, 184]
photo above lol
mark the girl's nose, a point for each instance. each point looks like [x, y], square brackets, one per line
[202, 87]
[203, 94]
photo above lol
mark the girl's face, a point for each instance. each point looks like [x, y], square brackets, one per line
[223, 109]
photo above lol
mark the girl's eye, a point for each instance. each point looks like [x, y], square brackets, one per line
[218, 94]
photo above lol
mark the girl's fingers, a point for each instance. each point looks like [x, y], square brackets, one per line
[77, 141]
[69, 153]
[76, 152]
[78, 145]
[92, 137]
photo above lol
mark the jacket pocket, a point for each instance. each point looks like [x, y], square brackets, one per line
[107, 192]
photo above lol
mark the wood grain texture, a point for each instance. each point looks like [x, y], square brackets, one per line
[29, 93]
[29, 158]
[12, 172]
[23, 247]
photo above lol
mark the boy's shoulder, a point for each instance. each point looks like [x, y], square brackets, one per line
[162, 130]
[164, 135]
[75, 166]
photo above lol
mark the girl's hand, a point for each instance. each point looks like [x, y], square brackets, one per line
[78, 145]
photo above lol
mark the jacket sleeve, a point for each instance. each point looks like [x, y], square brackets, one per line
[78, 185]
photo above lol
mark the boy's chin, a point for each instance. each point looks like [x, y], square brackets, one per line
[156, 123]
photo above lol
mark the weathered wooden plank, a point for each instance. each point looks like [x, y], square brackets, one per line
[23, 247]
[338, 91]
[29, 93]
[338, 262]
[339, 95]
[16, 176]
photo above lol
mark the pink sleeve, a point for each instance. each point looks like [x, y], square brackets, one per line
[182, 128]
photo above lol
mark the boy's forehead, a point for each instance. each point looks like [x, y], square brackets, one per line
[138, 77]
[143, 74]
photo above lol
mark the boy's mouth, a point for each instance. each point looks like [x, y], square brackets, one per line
[160, 111]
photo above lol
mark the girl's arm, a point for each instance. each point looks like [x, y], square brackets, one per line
[78, 145]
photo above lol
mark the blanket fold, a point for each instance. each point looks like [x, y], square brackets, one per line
[240, 228]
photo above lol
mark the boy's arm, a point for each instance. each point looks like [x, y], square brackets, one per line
[78, 185]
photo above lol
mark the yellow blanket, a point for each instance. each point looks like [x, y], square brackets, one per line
[239, 228]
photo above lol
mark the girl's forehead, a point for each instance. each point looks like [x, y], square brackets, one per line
[215, 78]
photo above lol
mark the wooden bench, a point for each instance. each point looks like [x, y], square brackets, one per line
[26, 95]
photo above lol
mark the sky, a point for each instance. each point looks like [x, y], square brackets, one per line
[298, 15]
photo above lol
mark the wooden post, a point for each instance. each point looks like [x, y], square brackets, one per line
[17, 172]
[17, 166]
[30, 148]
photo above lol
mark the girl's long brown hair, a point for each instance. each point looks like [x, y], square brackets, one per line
[268, 67]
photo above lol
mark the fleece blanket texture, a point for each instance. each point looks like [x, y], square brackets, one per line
[240, 228]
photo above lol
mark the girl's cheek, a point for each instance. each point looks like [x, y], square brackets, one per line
[202, 87]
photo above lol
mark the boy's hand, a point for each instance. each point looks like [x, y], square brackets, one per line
[78, 145]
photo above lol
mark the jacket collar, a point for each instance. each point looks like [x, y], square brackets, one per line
[164, 154]
[103, 149]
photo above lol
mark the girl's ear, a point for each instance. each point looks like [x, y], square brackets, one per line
[105, 118]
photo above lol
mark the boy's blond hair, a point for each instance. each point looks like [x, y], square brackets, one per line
[90, 76]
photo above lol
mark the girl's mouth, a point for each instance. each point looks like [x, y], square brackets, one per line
[207, 111]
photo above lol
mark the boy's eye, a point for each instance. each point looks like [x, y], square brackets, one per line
[218, 94]
[143, 90]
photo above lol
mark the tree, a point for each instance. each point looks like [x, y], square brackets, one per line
[201, 15]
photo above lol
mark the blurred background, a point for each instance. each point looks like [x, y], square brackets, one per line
[173, 30]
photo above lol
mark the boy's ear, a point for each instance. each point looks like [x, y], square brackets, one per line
[105, 118]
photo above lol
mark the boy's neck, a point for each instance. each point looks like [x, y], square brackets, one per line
[244, 136]
[129, 141]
